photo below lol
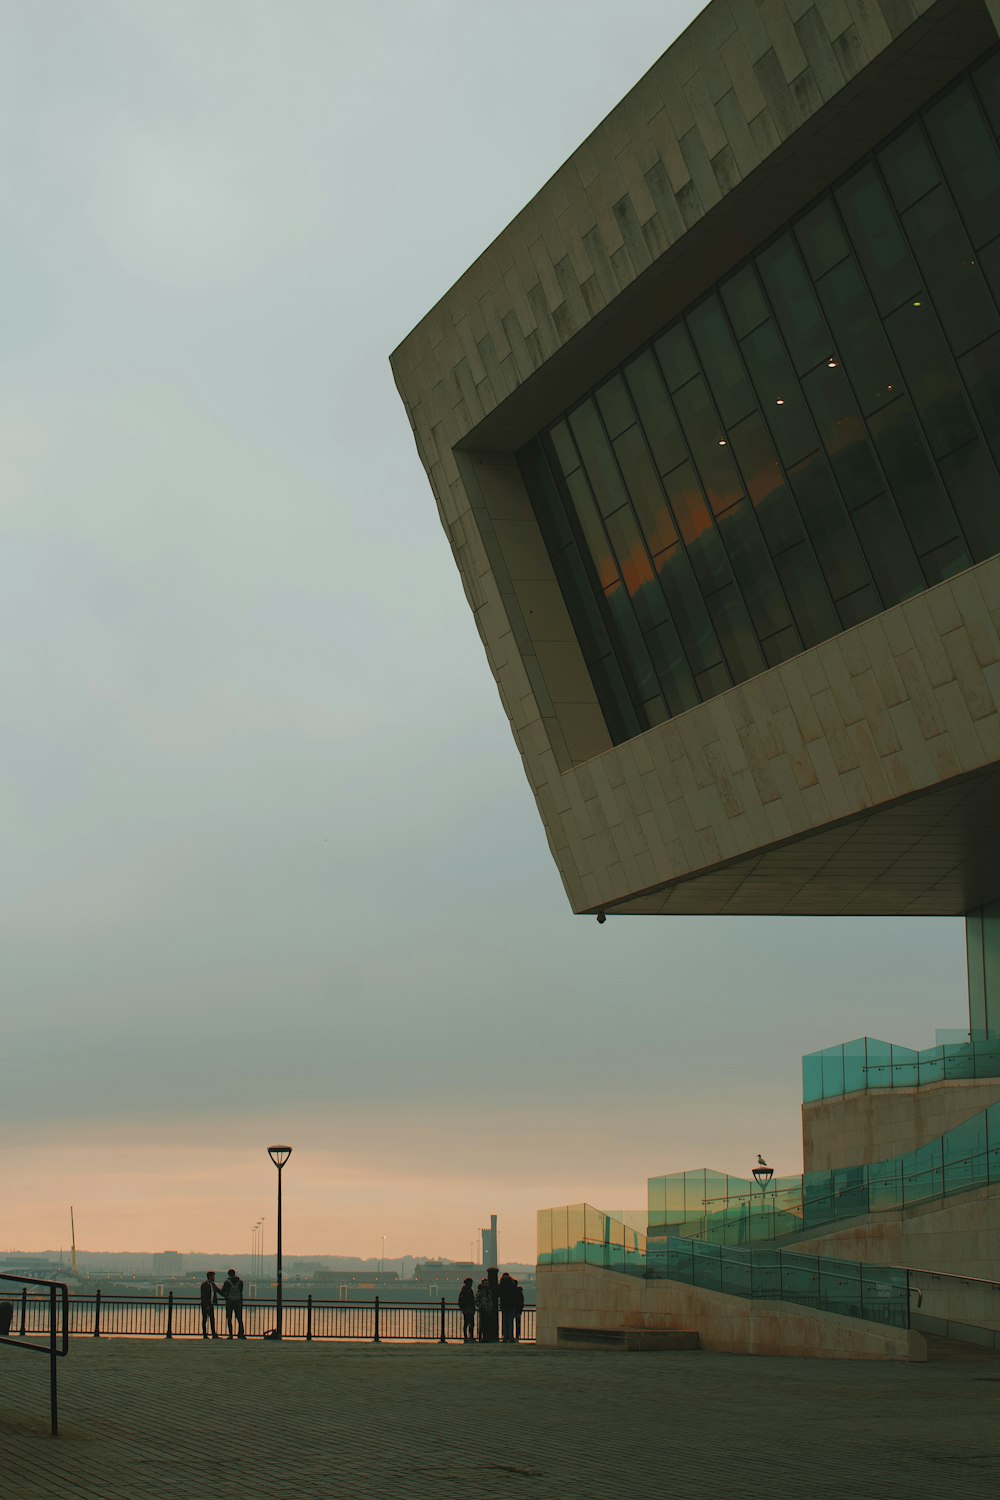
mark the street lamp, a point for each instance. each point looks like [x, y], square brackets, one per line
[279, 1155]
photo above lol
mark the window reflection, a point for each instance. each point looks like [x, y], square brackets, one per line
[812, 442]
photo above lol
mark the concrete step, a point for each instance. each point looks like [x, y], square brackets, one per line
[634, 1340]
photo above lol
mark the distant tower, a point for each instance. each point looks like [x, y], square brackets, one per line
[72, 1228]
[490, 1253]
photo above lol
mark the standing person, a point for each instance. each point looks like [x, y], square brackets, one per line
[232, 1291]
[467, 1304]
[506, 1295]
[485, 1309]
[209, 1292]
[518, 1308]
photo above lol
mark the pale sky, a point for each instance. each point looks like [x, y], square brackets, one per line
[272, 869]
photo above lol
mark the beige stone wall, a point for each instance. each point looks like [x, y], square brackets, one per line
[880, 1123]
[960, 1236]
[757, 106]
[585, 1297]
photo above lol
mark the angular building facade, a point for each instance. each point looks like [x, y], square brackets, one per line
[714, 431]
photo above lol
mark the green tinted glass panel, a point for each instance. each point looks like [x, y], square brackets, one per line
[616, 409]
[821, 238]
[859, 337]
[659, 422]
[927, 513]
[598, 459]
[830, 531]
[810, 442]
[721, 361]
[645, 490]
[909, 167]
[793, 297]
[710, 450]
[967, 150]
[744, 301]
[956, 284]
[842, 430]
[877, 238]
[932, 377]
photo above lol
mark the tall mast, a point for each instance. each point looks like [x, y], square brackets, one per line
[72, 1227]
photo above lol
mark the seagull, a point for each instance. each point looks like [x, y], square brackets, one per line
[760, 1160]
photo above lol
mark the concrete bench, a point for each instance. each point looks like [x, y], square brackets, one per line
[646, 1340]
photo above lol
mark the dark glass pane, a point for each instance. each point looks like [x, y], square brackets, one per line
[945, 561]
[636, 569]
[829, 528]
[598, 459]
[676, 356]
[720, 359]
[764, 478]
[877, 238]
[546, 496]
[844, 436]
[909, 167]
[923, 504]
[744, 301]
[565, 448]
[578, 592]
[780, 398]
[859, 340]
[696, 526]
[981, 372]
[636, 656]
[656, 414]
[615, 406]
[778, 648]
[821, 238]
[974, 486]
[615, 699]
[931, 377]
[592, 528]
[887, 547]
[702, 428]
[859, 606]
[968, 153]
[687, 609]
[807, 594]
[754, 569]
[791, 294]
[736, 634]
[716, 680]
[988, 259]
[987, 80]
[948, 261]
[645, 490]
[672, 668]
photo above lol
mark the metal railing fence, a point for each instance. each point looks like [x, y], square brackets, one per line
[54, 1325]
[99, 1315]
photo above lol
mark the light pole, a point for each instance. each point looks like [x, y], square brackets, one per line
[279, 1155]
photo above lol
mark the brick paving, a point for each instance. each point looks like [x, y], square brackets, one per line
[256, 1421]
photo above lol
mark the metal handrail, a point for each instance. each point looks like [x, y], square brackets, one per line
[952, 1276]
[96, 1314]
[53, 1349]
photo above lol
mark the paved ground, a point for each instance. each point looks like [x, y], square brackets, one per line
[258, 1421]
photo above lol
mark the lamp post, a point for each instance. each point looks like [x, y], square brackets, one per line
[279, 1155]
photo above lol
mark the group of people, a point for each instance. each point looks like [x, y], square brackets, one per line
[507, 1301]
[231, 1293]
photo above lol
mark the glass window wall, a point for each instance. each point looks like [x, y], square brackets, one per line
[813, 442]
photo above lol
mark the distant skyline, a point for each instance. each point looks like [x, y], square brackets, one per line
[272, 870]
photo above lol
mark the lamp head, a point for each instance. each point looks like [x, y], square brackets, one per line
[279, 1155]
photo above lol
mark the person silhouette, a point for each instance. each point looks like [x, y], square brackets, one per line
[467, 1304]
[209, 1293]
[232, 1292]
